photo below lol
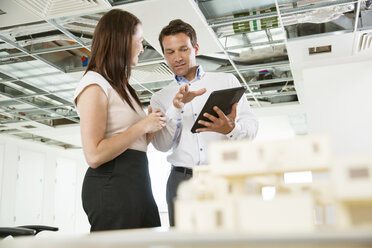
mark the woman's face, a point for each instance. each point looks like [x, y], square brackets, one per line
[137, 47]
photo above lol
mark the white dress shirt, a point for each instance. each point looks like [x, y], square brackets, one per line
[190, 149]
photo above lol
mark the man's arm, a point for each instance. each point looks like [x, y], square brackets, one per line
[169, 136]
[246, 123]
[165, 138]
[240, 123]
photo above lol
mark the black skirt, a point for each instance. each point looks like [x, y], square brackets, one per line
[117, 194]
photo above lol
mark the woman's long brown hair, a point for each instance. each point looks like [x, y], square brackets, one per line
[111, 51]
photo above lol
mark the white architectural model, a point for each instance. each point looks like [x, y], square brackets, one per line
[227, 194]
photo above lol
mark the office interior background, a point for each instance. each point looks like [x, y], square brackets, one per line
[306, 65]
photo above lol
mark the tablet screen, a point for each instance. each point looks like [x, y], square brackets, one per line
[224, 99]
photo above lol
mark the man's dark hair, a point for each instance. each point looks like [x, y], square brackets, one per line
[175, 27]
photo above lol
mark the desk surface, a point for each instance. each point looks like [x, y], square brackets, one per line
[161, 238]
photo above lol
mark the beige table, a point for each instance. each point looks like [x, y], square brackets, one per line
[160, 238]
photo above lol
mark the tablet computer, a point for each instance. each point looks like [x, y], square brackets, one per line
[224, 99]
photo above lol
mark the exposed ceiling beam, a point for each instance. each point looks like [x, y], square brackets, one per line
[68, 33]
[29, 53]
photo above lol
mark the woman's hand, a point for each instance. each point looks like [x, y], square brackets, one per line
[154, 121]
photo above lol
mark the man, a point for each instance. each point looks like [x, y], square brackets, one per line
[182, 101]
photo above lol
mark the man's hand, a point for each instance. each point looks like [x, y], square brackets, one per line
[223, 124]
[184, 96]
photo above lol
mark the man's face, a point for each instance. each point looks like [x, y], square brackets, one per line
[180, 54]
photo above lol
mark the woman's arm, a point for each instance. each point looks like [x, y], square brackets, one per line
[149, 137]
[92, 104]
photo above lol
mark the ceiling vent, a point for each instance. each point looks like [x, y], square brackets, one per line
[365, 42]
[151, 73]
[320, 49]
[49, 9]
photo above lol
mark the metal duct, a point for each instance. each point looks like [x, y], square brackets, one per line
[326, 14]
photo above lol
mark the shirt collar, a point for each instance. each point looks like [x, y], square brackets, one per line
[199, 73]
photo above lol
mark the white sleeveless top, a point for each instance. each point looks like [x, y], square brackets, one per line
[120, 116]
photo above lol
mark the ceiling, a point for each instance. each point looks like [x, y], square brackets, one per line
[43, 51]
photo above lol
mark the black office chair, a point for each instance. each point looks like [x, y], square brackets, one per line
[24, 230]
[39, 228]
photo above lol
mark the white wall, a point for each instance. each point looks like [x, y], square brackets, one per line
[33, 178]
[54, 176]
[280, 121]
[159, 171]
[341, 105]
[335, 89]
[274, 128]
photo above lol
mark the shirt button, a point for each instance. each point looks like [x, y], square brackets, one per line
[196, 114]
[182, 112]
[230, 136]
[201, 149]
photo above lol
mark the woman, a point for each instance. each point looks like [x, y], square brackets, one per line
[115, 130]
